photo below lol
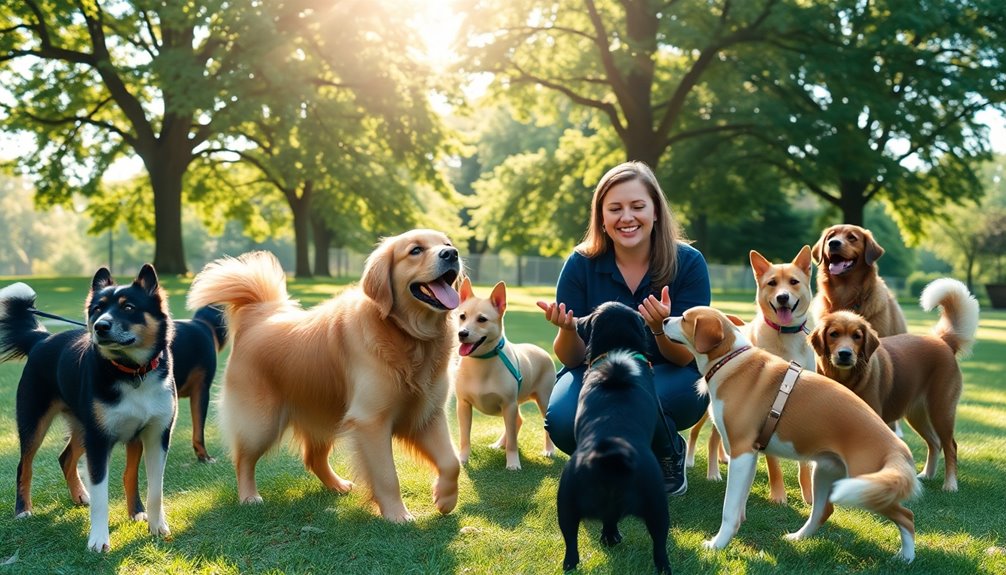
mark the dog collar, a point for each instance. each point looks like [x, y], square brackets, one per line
[138, 371]
[788, 382]
[716, 367]
[498, 350]
[788, 328]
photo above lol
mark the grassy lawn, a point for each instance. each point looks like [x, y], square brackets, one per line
[505, 521]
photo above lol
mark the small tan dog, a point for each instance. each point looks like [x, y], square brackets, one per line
[858, 461]
[780, 327]
[906, 375]
[496, 376]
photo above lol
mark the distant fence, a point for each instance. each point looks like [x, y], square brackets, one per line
[539, 271]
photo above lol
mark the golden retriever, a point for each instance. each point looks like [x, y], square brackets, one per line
[907, 375]
[370, 363]
[847, 278]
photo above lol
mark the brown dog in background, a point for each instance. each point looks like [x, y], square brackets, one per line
[370, 363]
[906, 375]
[847, 278]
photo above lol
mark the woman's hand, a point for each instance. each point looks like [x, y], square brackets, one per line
[654, 311]
[558, 316]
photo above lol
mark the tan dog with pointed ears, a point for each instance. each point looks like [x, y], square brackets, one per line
[495, 376]
[858, 461]
[781, 327]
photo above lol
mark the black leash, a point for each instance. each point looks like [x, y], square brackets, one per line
[54, 316]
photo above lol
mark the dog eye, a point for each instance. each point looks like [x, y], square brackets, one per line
[416, 251]
[128, 307]
[833, 334]
[483, 319]
[461, 317]
[772, 283]
[794, 282]
[857, 336]
[852, 239]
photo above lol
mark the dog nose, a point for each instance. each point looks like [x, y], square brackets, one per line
[782, 298]
[449, 254]
[844, 355]
[102, 326]
[835, 244]
[463, 334]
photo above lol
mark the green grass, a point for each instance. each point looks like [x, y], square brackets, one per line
[505, 521]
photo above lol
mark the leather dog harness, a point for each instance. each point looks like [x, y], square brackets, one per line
[498, 350]
[788, 382]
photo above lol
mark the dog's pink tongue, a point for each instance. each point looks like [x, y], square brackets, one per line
[785, 316]
[466, 349]
[839, 267]
[445, 294]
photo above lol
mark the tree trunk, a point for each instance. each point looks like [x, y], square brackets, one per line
[322, 241]
[853, 202]
[169, 251]
[300, 206]
[700, 232]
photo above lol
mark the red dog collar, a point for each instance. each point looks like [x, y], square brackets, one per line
[138, 371]
[716, 367]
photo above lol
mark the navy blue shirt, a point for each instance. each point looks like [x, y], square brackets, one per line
[585, 283]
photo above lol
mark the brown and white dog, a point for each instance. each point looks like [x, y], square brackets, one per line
[847, 278]
[906, 375]
[780, 327]
[495, 375]
[858, 461]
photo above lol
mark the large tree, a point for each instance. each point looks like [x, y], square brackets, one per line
[97, 81]
[879, 100]
[638, 64]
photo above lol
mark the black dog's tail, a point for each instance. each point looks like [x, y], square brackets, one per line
[214, 317]
[615, 456]
[20, 330]
[616, 369]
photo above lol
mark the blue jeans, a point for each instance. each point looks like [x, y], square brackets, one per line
[682, 405]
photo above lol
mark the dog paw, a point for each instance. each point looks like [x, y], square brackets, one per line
[513, 464]
[445, 496]
[714, 476]
[207, 459]
[23, 515]
[548, 452]
[252, 500]
[99, 543]
[141, 516]
[795, 536]
[160, 529]
[399, 516]
[611, 539]
[778, 499]
[709, 544]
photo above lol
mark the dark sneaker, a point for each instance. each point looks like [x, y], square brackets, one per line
[673, 468]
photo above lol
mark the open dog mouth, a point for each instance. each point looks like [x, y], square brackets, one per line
[468, 348]
[838, 265]
[784, 313]
[438, 293]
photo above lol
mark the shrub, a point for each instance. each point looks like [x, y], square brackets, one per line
[917, 281]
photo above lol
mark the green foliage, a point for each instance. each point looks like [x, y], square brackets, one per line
[917, 281]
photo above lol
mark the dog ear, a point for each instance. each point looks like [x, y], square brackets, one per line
[466, 289]
[817, 252]
[498, 297]
[759, 264]
[147, 279]
[873, 250]
[708, 334]
[872, 341]
[735, 320]
[803, 260]
[101, 280]
[817, 341]
[376, 279]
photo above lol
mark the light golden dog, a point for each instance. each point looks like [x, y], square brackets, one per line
[858, 460]
[907, 375]
[780, 326]
[495, 375]
[370, 363]
[847, 278]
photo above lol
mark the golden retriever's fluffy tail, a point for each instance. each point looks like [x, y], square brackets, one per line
[893, 483]
[958, 322]
[254, 277]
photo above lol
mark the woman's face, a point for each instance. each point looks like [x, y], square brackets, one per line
[628, 214]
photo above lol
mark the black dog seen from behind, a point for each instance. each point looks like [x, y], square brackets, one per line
[614, 472]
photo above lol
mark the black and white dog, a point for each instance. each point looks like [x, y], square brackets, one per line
[111, 380]
[614, 472]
